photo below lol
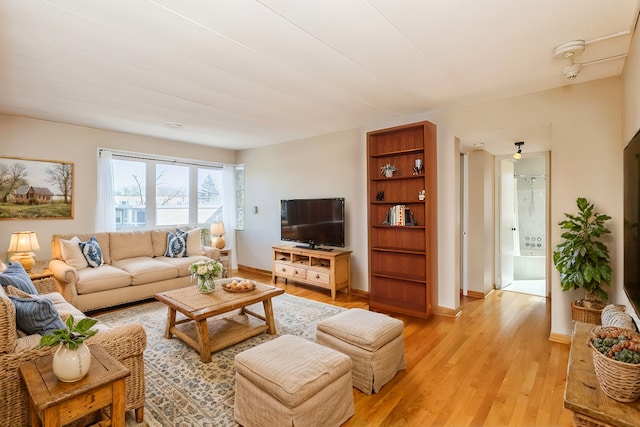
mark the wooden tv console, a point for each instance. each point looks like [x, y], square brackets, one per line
[329, 269]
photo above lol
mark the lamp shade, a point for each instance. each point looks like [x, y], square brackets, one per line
[23, 241]
[217, 229]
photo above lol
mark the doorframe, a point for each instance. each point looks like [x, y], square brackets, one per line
[497, 207]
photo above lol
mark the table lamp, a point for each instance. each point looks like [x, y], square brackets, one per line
[23, 243]
[217, 229]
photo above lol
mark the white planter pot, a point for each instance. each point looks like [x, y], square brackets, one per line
[71, 365]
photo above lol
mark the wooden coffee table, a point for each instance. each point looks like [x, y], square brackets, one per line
[207, 323]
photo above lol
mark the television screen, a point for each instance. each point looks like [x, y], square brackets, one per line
[313, 221]
[631, 216]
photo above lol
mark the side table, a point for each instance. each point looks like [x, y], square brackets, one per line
[225, 260]
[40, 271]
[56, 403]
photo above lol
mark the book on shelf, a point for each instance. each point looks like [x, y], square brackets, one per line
[399, 215]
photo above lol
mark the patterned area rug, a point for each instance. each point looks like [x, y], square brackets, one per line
[183, 391]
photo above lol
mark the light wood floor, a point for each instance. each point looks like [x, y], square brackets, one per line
[492, 366]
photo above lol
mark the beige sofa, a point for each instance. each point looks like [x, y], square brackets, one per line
[134, 268]
[125, 343]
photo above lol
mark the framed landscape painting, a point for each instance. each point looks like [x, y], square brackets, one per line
[35, 189]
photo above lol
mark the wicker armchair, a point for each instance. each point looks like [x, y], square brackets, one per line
[125, 343]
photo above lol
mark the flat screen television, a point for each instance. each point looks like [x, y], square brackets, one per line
[631, 188]
[313, 222]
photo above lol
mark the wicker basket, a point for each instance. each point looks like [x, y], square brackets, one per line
[618, 380]
[580, 313]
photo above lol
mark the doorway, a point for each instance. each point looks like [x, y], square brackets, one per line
[523, 225]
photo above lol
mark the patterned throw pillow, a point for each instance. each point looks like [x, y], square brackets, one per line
[176, 244]
[15, 276]
[36, 315]
[92, 252]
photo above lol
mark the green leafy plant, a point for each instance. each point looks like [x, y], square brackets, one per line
[581, 258]
[73, 335]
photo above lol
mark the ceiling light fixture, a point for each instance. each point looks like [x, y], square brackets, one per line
[518, 154]
[569, 50]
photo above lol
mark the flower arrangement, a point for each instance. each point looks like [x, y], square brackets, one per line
[206, 272]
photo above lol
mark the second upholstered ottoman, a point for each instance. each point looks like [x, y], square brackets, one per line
[373, 341]
[290, 381]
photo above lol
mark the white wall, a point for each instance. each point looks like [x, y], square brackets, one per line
[43, 140]
[324, 166]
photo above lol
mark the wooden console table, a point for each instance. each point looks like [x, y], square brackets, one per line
[583, 394]
[329, 269]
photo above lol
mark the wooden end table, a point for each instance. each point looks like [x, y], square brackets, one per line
[207, 335]
[56, 403]
[40, 271]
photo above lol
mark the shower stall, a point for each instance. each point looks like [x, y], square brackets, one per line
[530, 218]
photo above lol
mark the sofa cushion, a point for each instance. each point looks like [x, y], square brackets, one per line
[130, 244]
[36, 314]
[176, 244]
[182, 264]
[194, 241]
[146, 270]
[72, 253]
[102, 278]
[92, 252]
[159, 240]
[15, 276]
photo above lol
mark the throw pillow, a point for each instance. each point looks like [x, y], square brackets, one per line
[176, 244]
[194, 241]
[15, 276]
[72, 254]
[92, 252]
[16, 292]
[36, 315]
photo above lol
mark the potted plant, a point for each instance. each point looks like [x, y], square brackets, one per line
[388, 170]
[72, 359]
[583, 260]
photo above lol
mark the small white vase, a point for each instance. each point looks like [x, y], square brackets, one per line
[71, 365]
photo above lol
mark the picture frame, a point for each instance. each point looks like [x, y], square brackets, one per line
[36, 189]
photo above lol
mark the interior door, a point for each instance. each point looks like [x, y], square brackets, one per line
[507, 223]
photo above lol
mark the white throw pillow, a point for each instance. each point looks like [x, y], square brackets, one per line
[72, 254]
[194, 242]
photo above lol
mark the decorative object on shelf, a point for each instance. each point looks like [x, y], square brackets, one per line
[217, 229]
[583, 260]
[421, 195]
[72, 359]
[205, 273]
[380, 196]
[616, 361]
[388, 170]
[23, 243]
[418, 168]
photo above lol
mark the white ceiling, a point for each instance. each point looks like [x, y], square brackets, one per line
[246, 73]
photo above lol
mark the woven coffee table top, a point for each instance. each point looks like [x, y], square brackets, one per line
[192, 300]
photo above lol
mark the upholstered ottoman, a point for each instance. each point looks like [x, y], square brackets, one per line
[373, 341]
[290, 381]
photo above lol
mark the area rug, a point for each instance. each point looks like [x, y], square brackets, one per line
[183, 391]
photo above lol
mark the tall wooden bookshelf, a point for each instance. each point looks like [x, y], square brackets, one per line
[403, 259]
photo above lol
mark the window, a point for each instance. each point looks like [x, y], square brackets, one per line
[152, 192]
